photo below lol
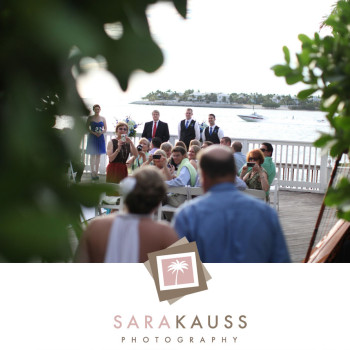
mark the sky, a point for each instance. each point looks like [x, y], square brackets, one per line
[223, 46]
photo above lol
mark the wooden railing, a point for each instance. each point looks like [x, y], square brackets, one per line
[300, 166]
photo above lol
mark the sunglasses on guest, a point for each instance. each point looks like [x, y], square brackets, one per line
[253, 159]
[122, 129]
[263, 149]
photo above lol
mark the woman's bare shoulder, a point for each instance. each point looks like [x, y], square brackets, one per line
[163, 231]
[100, 224]
[155, 236]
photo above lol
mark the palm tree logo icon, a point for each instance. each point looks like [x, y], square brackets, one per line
[177, 266]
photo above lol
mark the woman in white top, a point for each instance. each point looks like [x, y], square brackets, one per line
[129, 236]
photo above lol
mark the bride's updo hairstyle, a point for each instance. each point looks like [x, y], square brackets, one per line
[144, 190]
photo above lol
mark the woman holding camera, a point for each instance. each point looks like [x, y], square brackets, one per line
[118, 151]
[253, 174]
[142, 149]
[159, 160]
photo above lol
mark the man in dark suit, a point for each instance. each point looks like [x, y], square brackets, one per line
[188, 129]
[156, 128]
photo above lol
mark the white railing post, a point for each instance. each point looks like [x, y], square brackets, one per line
[324, 172]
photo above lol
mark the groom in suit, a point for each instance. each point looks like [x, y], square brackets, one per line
[156, 128]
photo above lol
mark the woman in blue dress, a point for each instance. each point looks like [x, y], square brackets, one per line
[96, 146]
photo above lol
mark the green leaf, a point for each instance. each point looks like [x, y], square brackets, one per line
[294, 78]
[281, 70]
[89, 194]
[286, 54]
[306, 93]
[181, 7]
[323, 140]
[304, 39]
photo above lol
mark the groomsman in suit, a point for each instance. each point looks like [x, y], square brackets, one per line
[212, 133]
[188, 128]
[156, 128]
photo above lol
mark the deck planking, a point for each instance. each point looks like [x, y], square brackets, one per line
[298, 214]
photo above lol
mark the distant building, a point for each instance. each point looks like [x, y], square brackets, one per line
[223, 98]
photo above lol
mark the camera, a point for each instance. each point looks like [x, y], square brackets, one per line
[156, 156]
[139, 148]
[123, 137]
[250, 164]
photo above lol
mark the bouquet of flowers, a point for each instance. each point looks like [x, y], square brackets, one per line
[98, 129]
[132, 125]
[202, 126]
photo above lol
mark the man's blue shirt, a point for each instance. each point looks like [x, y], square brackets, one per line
[229, 226]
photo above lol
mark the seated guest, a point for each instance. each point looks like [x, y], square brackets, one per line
[240, 184]
[167, 148]
[161, 163]
[253, 174]
[225, 141]
[206, 144]
[142, 148]
[195, 142]
[181, 144]
[228, 226]
[268, 164]
[240, 158]
[129, 237]
[171, 162]
[155, 144]
[192, 155]
[186, 175]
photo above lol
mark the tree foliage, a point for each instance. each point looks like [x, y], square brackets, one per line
[323, 65]
[42, 44]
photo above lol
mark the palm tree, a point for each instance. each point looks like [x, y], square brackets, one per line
[178, 266]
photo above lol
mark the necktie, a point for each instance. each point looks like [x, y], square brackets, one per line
[187, 124]
[154, 130]
[210, 130]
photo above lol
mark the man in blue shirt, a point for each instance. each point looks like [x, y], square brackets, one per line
[240, 158]
[228, 225]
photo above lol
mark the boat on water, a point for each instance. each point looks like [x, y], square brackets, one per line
[254, 117]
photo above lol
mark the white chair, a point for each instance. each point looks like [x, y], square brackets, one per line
[110, 202]
[260, 194]
[169, 208]
[71, 173]
[194, 192]
[275, 194]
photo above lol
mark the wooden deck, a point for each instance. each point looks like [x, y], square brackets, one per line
[298, 213]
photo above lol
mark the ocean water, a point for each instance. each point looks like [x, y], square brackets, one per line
[286, 125]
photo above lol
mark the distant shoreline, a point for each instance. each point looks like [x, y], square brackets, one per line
[204, 104]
